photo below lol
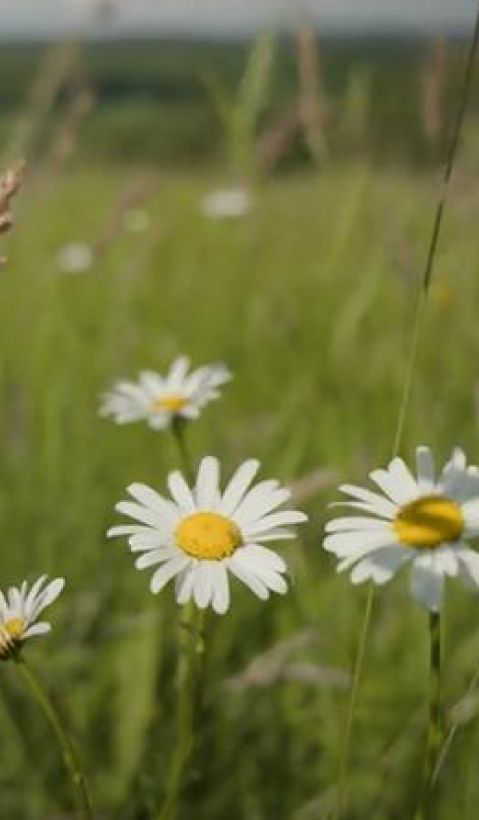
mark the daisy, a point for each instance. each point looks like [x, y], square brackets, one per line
[202, 533]
[161, 399]
[426, 521]
[19, 611]
[227, 203]
[75, 258]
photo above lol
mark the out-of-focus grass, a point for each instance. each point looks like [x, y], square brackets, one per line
[309, 300]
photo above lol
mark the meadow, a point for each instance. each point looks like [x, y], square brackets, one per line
[309, 300]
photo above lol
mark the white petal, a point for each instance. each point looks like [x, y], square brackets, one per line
[128, 529]
[184, 584]
[454, 479]
[37, 629]
[377, 503]
[366, 507]
[244, 574]
[272, 521]
[342, 543]
[259, 501]
[470, 511]
[445, 560]
[237, 486]
[426, 470]
[470, 561]
[357, 523]
[202, 586]
[404, 479]
[153, 540]
[46, 597]
[166, 572]
[380, 566]
[152, 382]
[32, 595]
[160, 420]
[3, 607]
[155, 556]
[177, 372]
[395, 488]
[273, 580]
[15, 603]
[140, 513]
[181, 492]
[206, 490]
[427, 584]
[221, 591]
[254, 553]
[152, 499]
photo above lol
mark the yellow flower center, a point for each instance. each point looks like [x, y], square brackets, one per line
[429, 522]
[10, 633]
[208, 535]
[14, 627]
[172, 403]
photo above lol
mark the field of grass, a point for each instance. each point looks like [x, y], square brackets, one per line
[309, 300]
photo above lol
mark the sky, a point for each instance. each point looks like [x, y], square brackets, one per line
[234, 16]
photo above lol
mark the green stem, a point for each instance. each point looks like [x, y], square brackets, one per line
[353, 696]
[190, 675]
[178, 430]
[424, 282]
[68, 753]
[434, 727]
[453, 730]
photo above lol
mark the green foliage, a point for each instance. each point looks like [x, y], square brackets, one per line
[371, 83]
[309, 300]
[239, 114]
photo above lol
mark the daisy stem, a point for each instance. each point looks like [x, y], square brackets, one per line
[68, 753]
[178, 430]
[190, 673]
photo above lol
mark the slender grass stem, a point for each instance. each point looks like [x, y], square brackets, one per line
[423, 286]
[444, 751]
[190, 675]
[434, 727]
[434, 734]
[68, 753]
[178, 430]
[358, 665]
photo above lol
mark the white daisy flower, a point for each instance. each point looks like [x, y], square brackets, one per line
[75, 258]
[19, 611]
[202, 533]
[227, 203]
[426, 520]
[160, 399]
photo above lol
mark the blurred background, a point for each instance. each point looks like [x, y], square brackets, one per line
[252, 182]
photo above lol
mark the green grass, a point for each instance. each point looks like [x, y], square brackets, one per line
[309, 301]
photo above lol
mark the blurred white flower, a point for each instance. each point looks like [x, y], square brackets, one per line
[160, 399]
[136, 220]
[229, 203]
[201, 534]
[425, 520]
[19, 611]
[76, 257]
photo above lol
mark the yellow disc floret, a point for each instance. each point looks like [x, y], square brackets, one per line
[208, 535]
[11, 632]
[429, 522]
[172, 404]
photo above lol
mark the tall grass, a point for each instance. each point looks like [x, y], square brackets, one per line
[320, 274]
